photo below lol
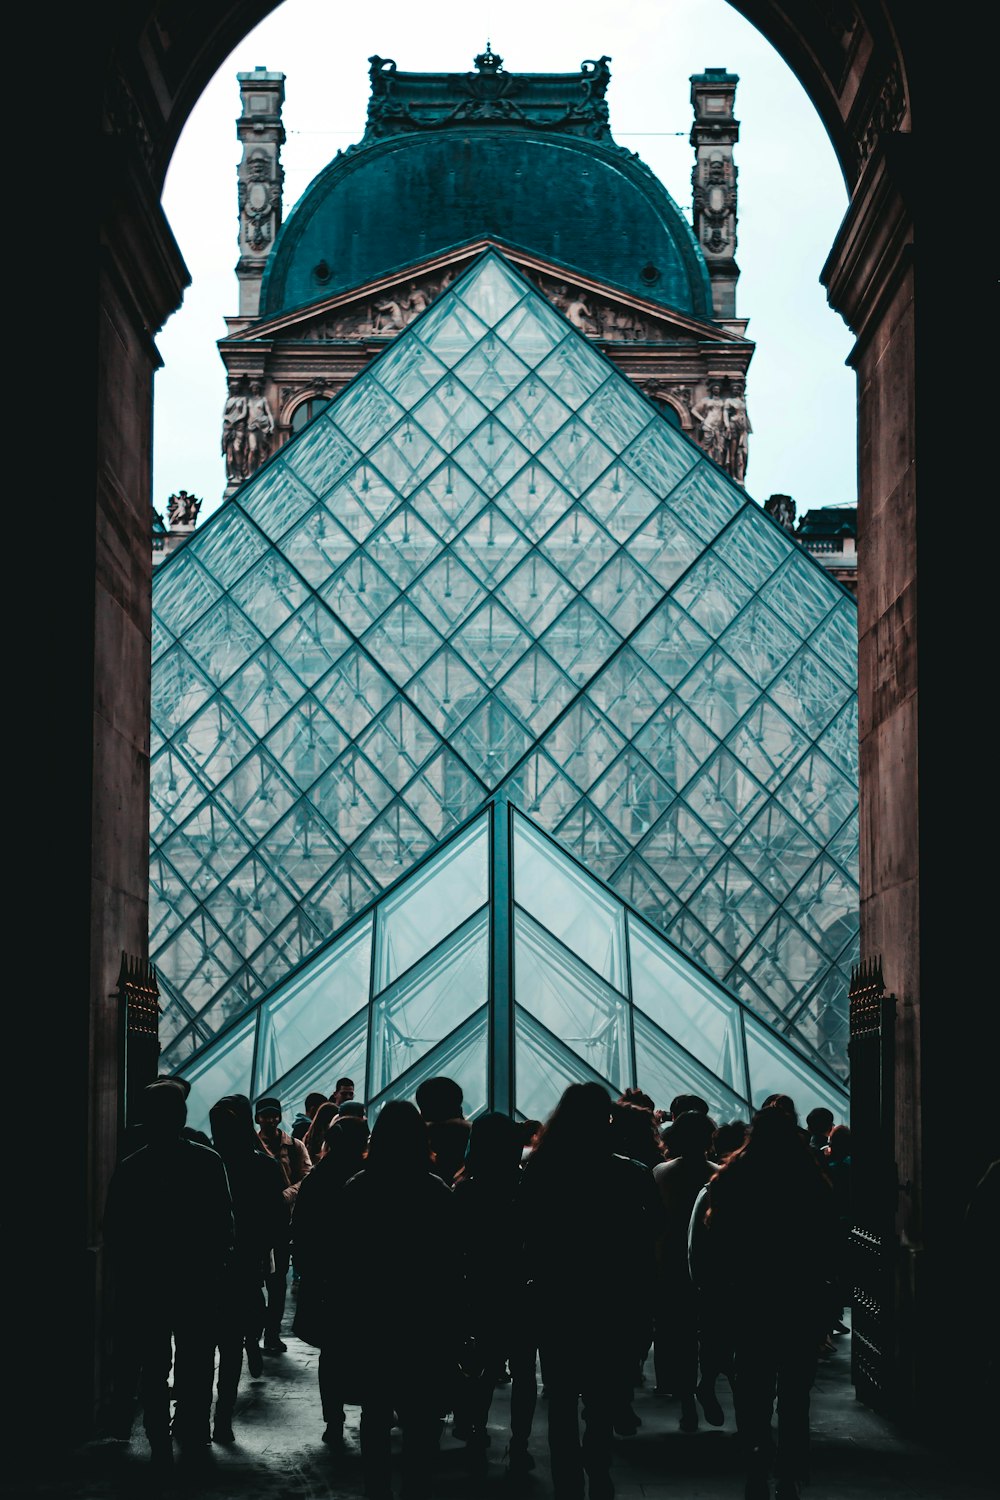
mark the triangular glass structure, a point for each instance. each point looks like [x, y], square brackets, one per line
[491, 563]
[501, 962]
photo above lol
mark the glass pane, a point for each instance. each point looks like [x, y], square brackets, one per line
[544, 1069]
[571, 1002]
[319, 457]
[429, 1002]
[706, 500]
[313, 1004]
[754, 546]
[343, 1055]
[663, 1071]
[225, 1070]
[227, 548]
[490, 289]
[573, 907]
[775, 1069]
[687, 1005]
[462, 1056]
[432, 903]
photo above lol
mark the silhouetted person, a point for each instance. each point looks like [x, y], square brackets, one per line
[314, 1139]
[493, 1287]
[402, 1338]
[439, 1101]
[819, 1123]
[585, 1216]
[343, 1091]
[168, 1226]
[678, 1181]
[257, 1187]
[295, 1164]
[301, 1123]
[634, 1134]
[765, 1249]
[319, 1230]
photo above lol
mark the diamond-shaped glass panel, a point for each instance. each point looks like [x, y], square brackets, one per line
[350, 796]
[448, 501]
[754, 546]
[533, 500]
[767, 743]
[402, 641]
[777, 849]
[491, 741]
[536, 691]
[490, 546]
[491, 642]
[446, 690]
[449, 414]
[398, 743]
[533, 413]
[354, 691]
[306, 742]
[393, 842]
[403, 546]
[535, 593]
[627, 692]
[443, 794]
[671, 642]
[578, 546]
[318, 546]
[623, 593]
[447, 593]
[311, 641]
[359, 593]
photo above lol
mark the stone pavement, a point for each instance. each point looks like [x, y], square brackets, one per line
[278, 1454]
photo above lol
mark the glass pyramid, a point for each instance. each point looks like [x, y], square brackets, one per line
[422, 983]
[491, 563]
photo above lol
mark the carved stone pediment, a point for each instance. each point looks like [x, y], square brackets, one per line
[372, 314]
[383, 310]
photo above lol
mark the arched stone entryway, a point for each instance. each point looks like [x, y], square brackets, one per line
[877, 75]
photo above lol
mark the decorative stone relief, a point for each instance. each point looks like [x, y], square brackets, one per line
[382, 315]
[182, 510]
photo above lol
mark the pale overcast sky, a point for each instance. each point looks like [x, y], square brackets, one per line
[800, 393]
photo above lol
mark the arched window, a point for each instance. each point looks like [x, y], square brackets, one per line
[306, 410]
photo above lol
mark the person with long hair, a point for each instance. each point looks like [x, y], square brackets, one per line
[257, 1186]
[493, 1288]
[315, 1138]
[400, 1326]
[763, 1240]
[587, 1217]
[318, 1229]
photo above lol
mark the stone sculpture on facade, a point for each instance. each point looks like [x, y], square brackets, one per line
[182, 509]
[738, 430]
[713, 423]
[234, 433]
[260, 428]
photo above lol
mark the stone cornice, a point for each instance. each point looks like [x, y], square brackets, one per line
[136, 241]
[874, 244]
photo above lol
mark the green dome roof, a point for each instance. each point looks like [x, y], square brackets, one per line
[420, 184]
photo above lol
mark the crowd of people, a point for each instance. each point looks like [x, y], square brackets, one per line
[489, 1249]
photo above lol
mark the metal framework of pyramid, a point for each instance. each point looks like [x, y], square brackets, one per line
[490, 564]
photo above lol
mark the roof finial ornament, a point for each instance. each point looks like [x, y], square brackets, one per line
[488, 61]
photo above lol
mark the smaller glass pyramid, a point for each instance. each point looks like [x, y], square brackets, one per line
[422, 984]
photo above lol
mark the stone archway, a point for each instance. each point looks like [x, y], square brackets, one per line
[865, 66]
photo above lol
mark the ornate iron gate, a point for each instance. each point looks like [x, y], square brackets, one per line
[139, 997]
[874, 1184]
